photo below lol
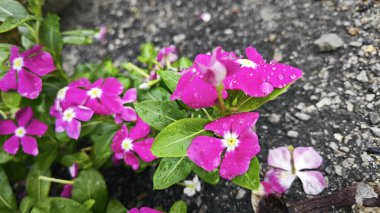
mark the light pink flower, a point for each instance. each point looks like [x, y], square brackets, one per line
[22, 132]
[125, 144]
[69, 120]
[282, 176]
[167, 55]
[258, 79]
[101, 35]
[238, 140]
[26, 70]
[143, 210]
[104, 96]
[127, 113]
[68, 188]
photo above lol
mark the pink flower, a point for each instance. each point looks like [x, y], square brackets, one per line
[127, 113]
[68, 188]
[290, 164]
[258, 79]
[26, 70]
[167, 55]
[101, 35]
[239, 142]
[143, 210]
[27, 126]
[104, 96]
[125, 145]
[69, 120]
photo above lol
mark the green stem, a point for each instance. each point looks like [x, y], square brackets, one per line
[130, 66]
[185, 185]
[221, 100]
[55, 180]
[208, 115]
[157, 64]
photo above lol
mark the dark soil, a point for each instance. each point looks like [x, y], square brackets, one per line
[328, 108]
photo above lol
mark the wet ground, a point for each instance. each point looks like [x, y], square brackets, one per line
[335, 107]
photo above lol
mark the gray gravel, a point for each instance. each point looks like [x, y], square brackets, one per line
[335, 107]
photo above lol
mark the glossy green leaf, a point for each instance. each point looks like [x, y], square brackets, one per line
[11, 8]
[59, 204]
[179, 207]
[174, 139]
[7, 199]
[171, 78]
[148, 54]
[157, 94]
[13, 22]
[11, 99]
[35, 6]
[25, 205]
[159, 114]
[251, 179]
[48, 154]
[37, 189]
[81, 158]
[208, 177]
[171, 171]
[51, 38]
[90, 185]
[183, 63]
[101, 151]
[5, 157]
[114, 206]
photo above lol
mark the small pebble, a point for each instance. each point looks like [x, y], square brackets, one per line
[292, 134]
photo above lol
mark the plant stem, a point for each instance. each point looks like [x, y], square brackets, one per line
[130, 66]
[55, 180]
[220, 98]
[208, 115]
[157, 64]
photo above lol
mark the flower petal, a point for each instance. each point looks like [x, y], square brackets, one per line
[29, 145]
[9, 81]
[206, 152]
[117, 140]
[148, 210]
[7, 127]
[82, 82]
[143, 149]
[67, 189]
[41, 63]
[306, 158]
[112, 86]
[132, 160]
[36, 127]
[237, 162]
[237, 123]
[280, 158]
[253, 55]
[83, 113]
[12, 145]
[73, 129]
[129, 114]
[24, 115]
[140, 130]
[60, 125]
[134, 210]
[112, 103]
[130, 96]
[74, 97]
[312, 181]
[29, 85]
[14, 53]
[280, 75]
[279, 180]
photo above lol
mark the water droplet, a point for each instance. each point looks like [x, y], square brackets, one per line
[293, 76]
[281, 77]
[266, 88]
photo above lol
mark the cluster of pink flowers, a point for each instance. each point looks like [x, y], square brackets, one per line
[198, 87]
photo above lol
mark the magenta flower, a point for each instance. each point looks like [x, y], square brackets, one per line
[101, 35]
[127, 113]
[258, 79]
[69, 120]
[68, 188]
[26, 70]
[125, 145]
[104, 96]
[143, 210]
[27, 126]
[167, 55]
[290, 164]
[239, 142]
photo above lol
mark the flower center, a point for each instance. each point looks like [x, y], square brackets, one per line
[62, 93]
[20, 132]
[127, 144]
[247, 63]
[95, 93]
[230, 140]
[68, 115]
[18, 63]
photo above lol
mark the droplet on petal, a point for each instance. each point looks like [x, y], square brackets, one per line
[266, 88]
[293, 76]
[281, 77]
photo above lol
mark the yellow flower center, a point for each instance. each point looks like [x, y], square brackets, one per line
[20, 132]
[230, 140]
[247, 63]
[68, 115]
[95, 93]
[18, 63]
[127, 144]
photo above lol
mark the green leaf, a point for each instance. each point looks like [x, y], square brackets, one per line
[209, 177]
[25, 205]
[90, 185]
[178, 207]
[77, 40]
[171, 78]
[11, 8]
[114, 206]
[148, 54]
[5, 157]
[37, 189]
[251, 179]
[246, 103]
[11, 99]
[174, 140]
[157, 94]
[81, 158]
[51, 38]
[59, 204]
[182, 63]
[101, 151]
[171, 171]
[48, 153]
[89, 203]
[34, 6]
[159, 114]
[7, 199]
[13, 22]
